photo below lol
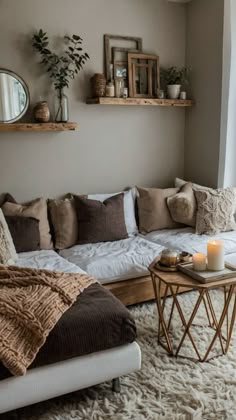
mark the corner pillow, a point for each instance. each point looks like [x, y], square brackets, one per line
[64, 222]
[100, 221]
[24, 232]
[215, 210]
[183, 206]
[181, 182]
[36, 209]
[129, 208]
[7, 250]
[152, 209]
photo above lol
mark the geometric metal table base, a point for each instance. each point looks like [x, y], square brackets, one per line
[172, 283]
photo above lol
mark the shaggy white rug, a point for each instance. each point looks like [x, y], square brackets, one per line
[165, 388]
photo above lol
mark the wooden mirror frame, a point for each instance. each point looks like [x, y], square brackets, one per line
[132, 70]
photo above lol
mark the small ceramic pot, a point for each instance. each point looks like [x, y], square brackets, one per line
[41, 112]
[173, 91]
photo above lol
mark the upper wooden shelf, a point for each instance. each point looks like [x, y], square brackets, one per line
[140, 101]
[50, 126]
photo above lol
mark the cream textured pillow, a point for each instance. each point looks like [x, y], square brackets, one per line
[183, 206]
[36, 209]
[152, 209]
[215, 210]
[64, 221]
[8, 253]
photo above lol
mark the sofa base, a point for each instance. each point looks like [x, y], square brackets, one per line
[137, 290]
[60, 378]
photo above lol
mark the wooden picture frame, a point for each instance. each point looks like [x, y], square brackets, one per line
[120, 62]
[146, 66]
[137, 45]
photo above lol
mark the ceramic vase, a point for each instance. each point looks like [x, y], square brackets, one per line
[61, 107]
[41, 112]
[173, 91]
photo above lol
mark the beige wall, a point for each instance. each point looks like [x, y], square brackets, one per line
[114, 146]
[204, 55]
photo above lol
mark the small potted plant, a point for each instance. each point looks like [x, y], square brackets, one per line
[61, 67]
[173, 78]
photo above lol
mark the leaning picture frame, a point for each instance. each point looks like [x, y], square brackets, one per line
[110, 41]
[143, 75]
[120, 62]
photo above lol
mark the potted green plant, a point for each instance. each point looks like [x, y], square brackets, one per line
[172, 78]
[61, 67]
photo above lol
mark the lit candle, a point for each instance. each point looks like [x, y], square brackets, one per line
[215, 255]
[199, 262]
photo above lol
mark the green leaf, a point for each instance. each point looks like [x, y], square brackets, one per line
[76, 37]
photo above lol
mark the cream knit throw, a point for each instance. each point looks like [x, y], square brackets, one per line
[31, 303]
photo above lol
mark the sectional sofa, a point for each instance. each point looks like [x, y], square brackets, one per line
[120, 265]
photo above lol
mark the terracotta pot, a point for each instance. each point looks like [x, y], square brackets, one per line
[41, 112]
[98, 82]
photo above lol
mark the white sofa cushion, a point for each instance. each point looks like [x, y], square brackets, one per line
[114, 261]
[185, 239]
[129, 208]
[48, 260]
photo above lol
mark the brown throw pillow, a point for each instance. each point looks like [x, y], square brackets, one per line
[100, 221]
[64, 221]
[152, 209]
[24, 232]
[183, 205]
[215, 210]
[36, 209]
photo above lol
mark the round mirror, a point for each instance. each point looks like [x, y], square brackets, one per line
[14, 97]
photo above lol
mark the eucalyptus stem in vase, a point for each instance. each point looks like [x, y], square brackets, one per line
[61, 67]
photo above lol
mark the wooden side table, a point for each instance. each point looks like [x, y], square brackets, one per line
[172, 283]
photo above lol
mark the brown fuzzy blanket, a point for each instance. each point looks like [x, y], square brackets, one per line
[31, 303]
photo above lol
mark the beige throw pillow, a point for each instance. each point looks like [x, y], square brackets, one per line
[36, 209]
[64, 221]
[8, 253]
[183, 206]
[152, 209]
[215, 210]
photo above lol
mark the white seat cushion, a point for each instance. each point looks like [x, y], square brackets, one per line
[185, 239]
[113, 261]
[49, 260]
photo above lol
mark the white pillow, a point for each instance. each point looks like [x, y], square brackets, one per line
[180, 182]
[129, 208]
[8, 255]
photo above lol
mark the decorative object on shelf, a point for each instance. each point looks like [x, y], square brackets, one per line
[41, 112]
[128, 41]
[199, 262]
[173, 78]
[61, 67]
[119, 87]
[61, 106]
[144, 75]
[183, 95]
[98, 82]
[161, 94]
[120, 62]
[125, 93]
[14, 96]
[110, 89]
[215, 255]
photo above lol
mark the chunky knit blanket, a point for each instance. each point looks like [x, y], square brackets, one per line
[31, 303]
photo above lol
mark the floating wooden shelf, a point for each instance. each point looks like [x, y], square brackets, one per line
[50, 126]
[140, 101]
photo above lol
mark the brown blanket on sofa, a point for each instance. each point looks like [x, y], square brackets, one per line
[31, 303]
